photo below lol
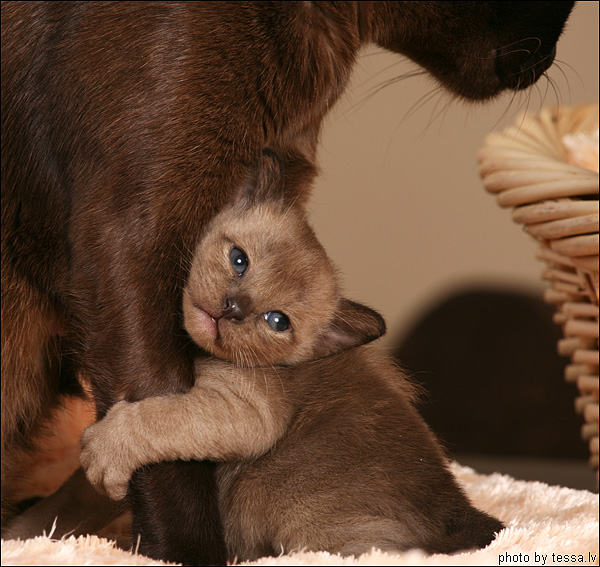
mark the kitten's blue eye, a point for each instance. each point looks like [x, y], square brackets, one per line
[238, 260]
[277, 321]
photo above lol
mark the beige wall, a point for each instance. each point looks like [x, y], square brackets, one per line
[399, 205]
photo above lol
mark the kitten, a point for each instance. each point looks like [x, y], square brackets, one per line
[319, 444]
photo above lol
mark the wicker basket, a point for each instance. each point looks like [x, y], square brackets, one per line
[526, 167]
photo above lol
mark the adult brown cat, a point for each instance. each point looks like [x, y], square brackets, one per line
[125, 127]
[319, 445]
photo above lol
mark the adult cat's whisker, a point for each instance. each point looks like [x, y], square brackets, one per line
[522, 50]
[544, 94]
[502, 47]
[523, 40]
[556, 90]
[559, 66]
[422, 101]
[419, 104]
[507, 108]
[524, 107]
[531, 67]
[434, 115]
[559, 63]
[381, 71]
[373, 91]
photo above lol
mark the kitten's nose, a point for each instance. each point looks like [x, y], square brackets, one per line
[232, 310]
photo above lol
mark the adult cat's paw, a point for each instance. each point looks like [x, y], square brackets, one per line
[108, 454]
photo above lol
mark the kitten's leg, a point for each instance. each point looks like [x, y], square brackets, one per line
[220, 419]
[345, 536]
[360, 534]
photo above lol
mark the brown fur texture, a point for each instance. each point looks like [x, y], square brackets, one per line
[125, 127]
[317, 453]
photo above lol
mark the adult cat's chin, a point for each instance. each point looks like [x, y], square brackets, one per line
[499, 71]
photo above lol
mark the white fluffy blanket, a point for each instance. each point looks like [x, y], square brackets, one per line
[546, 525]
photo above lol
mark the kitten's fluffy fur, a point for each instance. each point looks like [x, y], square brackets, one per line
[320, 445]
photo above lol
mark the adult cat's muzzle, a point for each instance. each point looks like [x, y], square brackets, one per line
[520, 65]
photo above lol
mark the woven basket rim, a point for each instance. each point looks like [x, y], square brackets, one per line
[526, 168]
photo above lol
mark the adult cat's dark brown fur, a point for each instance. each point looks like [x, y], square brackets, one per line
[125, 127]
[319, 443]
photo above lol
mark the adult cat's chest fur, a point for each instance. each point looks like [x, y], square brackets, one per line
[199, 105]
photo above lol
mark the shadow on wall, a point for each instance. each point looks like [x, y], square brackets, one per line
[493, 379]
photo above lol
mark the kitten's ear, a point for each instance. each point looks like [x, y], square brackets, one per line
[277, 177]
[353, 325]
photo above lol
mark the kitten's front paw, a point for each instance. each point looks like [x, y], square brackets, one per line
[107, 456]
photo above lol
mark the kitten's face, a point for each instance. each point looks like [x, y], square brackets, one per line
[261, 288]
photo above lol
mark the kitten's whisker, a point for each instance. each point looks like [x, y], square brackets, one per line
[281, 382]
